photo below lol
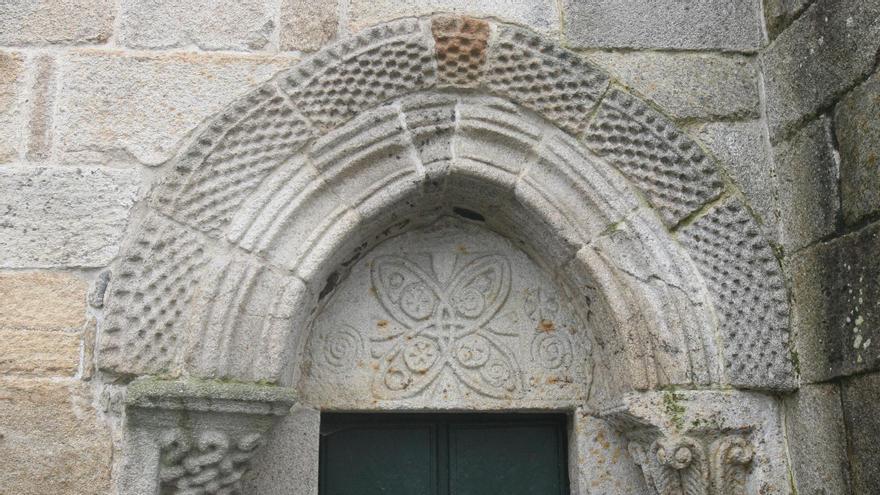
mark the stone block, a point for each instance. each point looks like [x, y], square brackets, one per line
[114, 106]
[745, 281]
[54, 217]
[817, 439]
[540, 15]
[733, 25]
[688, 85]
[214, 25]
[42, 301]
[291, 458]
[307, 25]
[55, 22]
[743, 150]
[837, 305]
[39, 352]
[820, 56]
[858, 136]
[12, 103]
[52, 440]
[862, 412]
[807, 174]
[40, 132]
[669, 168]
[780, 13]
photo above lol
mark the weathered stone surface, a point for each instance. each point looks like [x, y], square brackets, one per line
[40, 130]
[746, 283]
[373, 66]
[518, 341]
[307, 24]
[114, 106]
[807, 175]
[12, 102]
[817, 439]
[862, 412]
[837, 305]
[858, 136]
[52, 440]
[291, 458]
[46, 22]
[55, 217]
[221, 25]
[604, 464]
[461, 49]
[228, 160]
[149, 295]
[718, 24]
[41, 301]
[821, 55]
[540, 15]
[39, 352]
[666, 164]
[540, 75]
[742, 149]
[688, 86]
[780, 13]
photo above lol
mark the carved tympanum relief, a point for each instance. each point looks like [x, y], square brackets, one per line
[448, 316]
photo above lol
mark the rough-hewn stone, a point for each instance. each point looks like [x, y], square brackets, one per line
[540, 15]
[73, 216]
[826, 51]
[12, 102]
[52, 440]
[780, 13]
[817, 439]
[666, 164]
[743, 150]
[224, 25]
[114, 106]
[307, 24]
[718, 24]
[862, 412]
[45, 22]
[746, 282]
[807, 175]
[41, 301]
[461, 49]
[688, 86]
[857, 124]
[837, 305]
[39, 352]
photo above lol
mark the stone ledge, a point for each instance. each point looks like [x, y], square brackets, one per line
[206, 395]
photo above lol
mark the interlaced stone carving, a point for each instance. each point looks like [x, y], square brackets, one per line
[445, 324]
[211, 462]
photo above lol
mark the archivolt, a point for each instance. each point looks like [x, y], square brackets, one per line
[255, 221]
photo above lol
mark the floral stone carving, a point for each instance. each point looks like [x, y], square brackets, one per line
[455, 315]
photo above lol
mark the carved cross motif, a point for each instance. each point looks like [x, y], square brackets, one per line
[445, 326]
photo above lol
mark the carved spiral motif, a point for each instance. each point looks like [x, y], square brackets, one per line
[342, 346]
[552, 350]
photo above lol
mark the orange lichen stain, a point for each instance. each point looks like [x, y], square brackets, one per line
[382, 323]
[375, 366]
[546, 326]
[461, 248]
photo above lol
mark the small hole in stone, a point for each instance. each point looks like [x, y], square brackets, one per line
[332, 280]
[469, 214]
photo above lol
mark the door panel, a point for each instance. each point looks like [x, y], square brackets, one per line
[450, 454]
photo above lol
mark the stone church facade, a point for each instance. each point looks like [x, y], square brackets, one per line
[221, 221]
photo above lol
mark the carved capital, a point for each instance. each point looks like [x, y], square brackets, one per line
[196, 436]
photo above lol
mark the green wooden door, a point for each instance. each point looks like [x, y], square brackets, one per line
[450, 454]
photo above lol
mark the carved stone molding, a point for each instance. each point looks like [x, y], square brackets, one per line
[195, 437]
